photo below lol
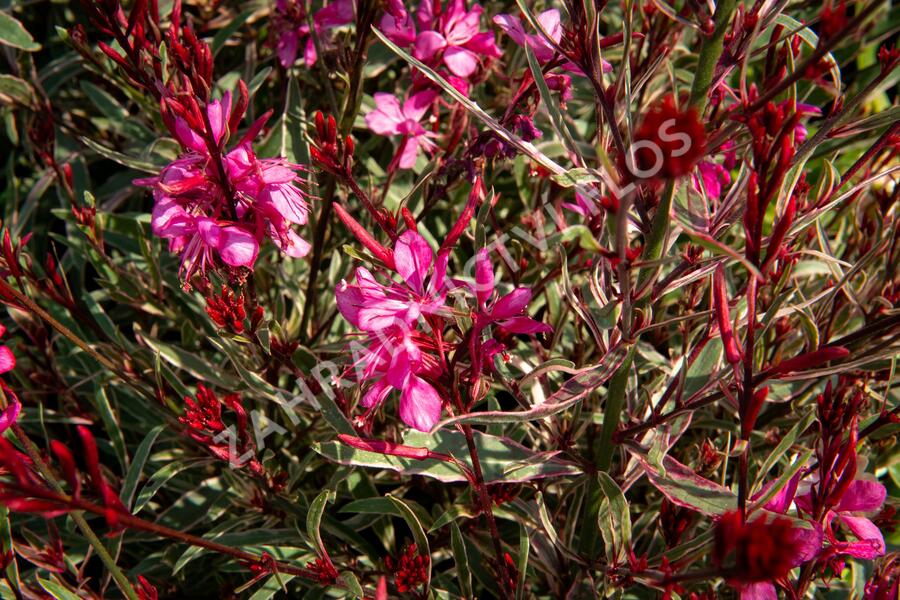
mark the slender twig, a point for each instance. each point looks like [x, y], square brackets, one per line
[7, 290]
[487, 509]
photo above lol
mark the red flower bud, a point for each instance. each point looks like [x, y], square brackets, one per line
[720, 305]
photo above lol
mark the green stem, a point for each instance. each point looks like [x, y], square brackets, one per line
[34, 454]
[603, 451]
[612, 412]
[710, 51]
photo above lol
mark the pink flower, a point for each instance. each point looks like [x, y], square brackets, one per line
[457, 40]
[398, 355]
[451, 38]
[861, 496]
[508, 311]
[715, 177]
[543, 49]
[207, 219]
[389, 118]
[291, 28]
[13, 408]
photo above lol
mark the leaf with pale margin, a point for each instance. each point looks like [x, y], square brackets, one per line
[502, 460]
[685, 488]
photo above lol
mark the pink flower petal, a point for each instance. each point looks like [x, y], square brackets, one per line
[484, 277]
[420, 404]
[871, 541]
[428, 44]
[291, 244]
[418, 104]
[335, 14]
[376, 394]
[862, 496]
[511, 26]
[413, 257]
[188, 137]
[460, 61]
[408, 153]
[217, 119]
[7, 360]
[349, 301]
[484, 44]
[237, 247]
[525, 325]
[512, 304]
[386, 116]
[10, 413]
[286, 48]
[758, 591]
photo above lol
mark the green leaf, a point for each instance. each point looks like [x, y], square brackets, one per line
[127, 161]
[351, 583]
[614, 520]
[314, 520]
[56, 589]
[218, 41]
[522, 565]
[111, 423]
[13, 33]
[137, 466]
[572, 391]
[159, 479]
[13, 89]
[418, 533]
[461, 557]
[685, 488]
[784, 445]
[501, 458]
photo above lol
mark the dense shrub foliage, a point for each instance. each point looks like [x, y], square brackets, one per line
[369, 299]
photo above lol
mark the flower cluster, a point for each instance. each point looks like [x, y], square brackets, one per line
[291, 30]
[404, 324]
[410, 569]
[214, 206]
[205, 425]
[13, 407]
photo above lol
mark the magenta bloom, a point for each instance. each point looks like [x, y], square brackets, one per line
[451, 38]
[543, 50]
[508, 311]
[389, 118]
[715, 178]
[862, 496]
[291, 28]
[206, 219]
[399, 356]
[13, 408]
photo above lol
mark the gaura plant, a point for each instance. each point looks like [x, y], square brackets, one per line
[369, 299]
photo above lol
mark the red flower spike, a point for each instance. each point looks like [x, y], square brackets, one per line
[409, 219]
[780, 230]
[365, 238]
[809, 360]
[748, 420]
[324, 570]
[390, 448]
[476, 197]
[67, 462]
[381, 591]
[410, 570]
[720, 305]
[146, 590]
